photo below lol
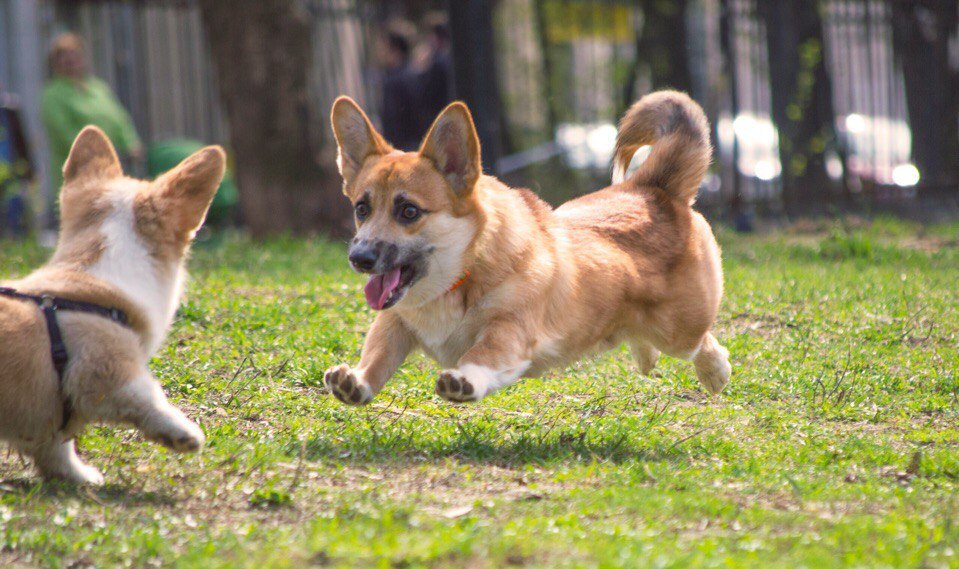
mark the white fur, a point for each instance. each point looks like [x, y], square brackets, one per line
[157, 418]
[621, 169]
[619, 172]
[127, 264]
[142, 402]
[486, 380]
[450, 236]
[441, 329]
[58, 459]
[333, 378]
[712, 364]
[435, 317]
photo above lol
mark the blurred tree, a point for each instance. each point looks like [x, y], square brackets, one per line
[921, 33]
[662, 47]
[801, 100]
[474, 72]
[262, 53]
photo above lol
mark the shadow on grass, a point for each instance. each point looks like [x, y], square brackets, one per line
[109, 494]
[512, 450]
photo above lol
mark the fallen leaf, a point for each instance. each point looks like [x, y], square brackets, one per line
[458, 512]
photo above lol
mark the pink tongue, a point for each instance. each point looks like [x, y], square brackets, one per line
[379, 288]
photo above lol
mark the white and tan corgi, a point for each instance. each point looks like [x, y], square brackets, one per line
[121, 251]
[495, 285]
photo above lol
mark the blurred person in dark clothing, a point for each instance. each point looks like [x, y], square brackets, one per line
[435, 64]
[400, 113]
[16, 168]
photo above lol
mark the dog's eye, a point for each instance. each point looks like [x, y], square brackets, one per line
[410, 212]
[362, 210]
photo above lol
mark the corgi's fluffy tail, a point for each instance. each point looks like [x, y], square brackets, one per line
[677, 128]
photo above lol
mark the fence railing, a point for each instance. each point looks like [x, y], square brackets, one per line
[567, 70]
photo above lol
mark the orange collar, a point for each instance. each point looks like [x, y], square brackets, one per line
[459, 281]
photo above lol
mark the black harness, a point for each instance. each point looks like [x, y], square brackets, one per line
[50, 305]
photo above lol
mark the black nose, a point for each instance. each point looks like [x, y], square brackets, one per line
[363, 258]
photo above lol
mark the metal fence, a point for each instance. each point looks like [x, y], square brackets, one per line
[869, 88]
[574, 72]
[566, 70]
[156, 59]
[872, 137]
[344, 35]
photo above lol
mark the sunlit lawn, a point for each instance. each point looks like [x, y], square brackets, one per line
[836, 442]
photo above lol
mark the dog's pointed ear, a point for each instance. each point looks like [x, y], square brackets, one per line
[91, 157]
[184, 194]
[454, 148]
[356, 138]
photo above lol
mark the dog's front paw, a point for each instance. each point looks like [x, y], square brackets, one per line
[453, 386]
[181, 435]
[168, 426]
[346, 386]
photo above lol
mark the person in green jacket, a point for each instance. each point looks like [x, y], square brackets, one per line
[73, 99]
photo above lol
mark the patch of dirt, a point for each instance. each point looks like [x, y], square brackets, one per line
[764, 325]
[14, 560]
[436, 488]
[928, 244]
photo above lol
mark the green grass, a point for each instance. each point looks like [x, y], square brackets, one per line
[835, 444]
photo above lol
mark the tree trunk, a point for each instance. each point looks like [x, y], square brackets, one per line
[664, 45]
[662, 48]
[801, 100]
[474, 72]
[920, 32]
[262, 54]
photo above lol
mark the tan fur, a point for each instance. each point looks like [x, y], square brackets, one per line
[106, 379]
[632, 262]
[679, 131]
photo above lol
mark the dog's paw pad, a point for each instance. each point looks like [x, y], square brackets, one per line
[344, 385]
[453, 386]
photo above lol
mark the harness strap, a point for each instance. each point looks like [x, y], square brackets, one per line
[49, 305]
[58, 353]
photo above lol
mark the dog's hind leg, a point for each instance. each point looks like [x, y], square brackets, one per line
[59, 459]
[712, 364]
[645, 354]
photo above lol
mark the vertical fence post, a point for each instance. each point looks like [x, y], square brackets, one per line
[474, 71]
[27, 74]
[729, 68]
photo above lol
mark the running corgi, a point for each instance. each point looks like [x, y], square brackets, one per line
[495, 285]
[76, 335]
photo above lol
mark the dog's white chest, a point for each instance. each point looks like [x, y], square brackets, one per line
[442, 331]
